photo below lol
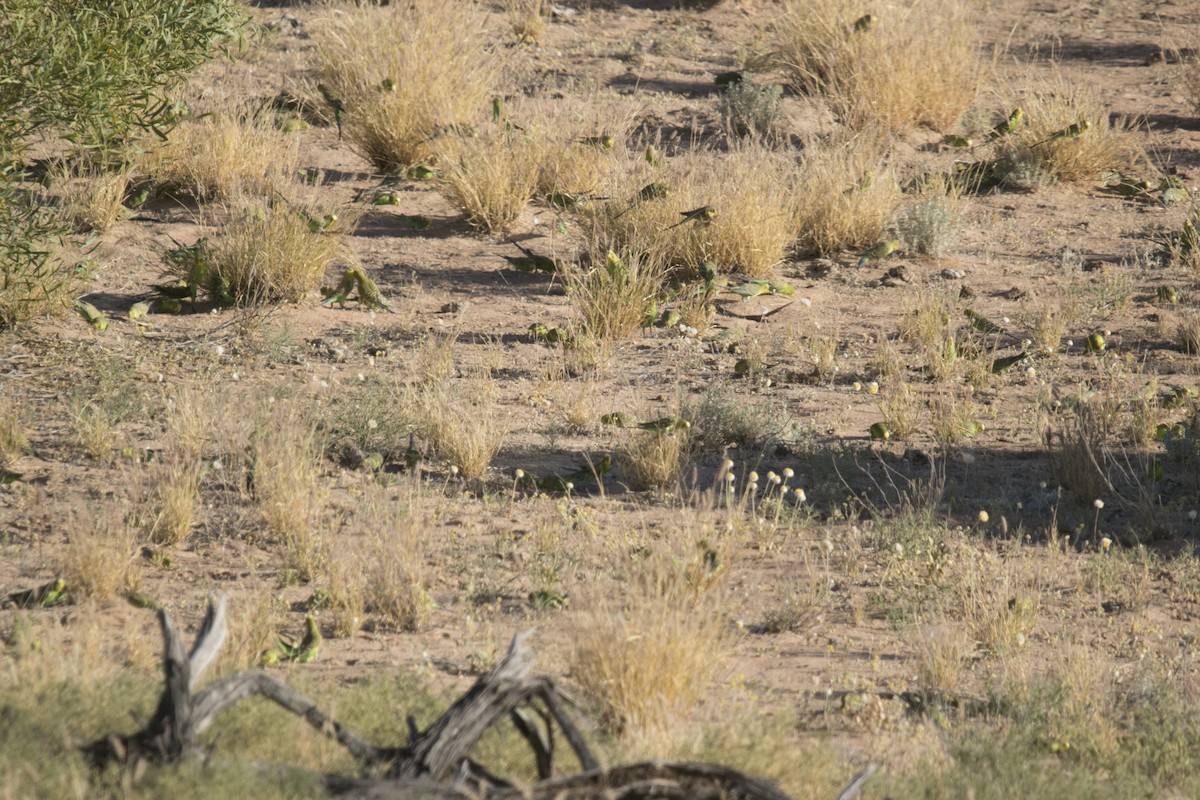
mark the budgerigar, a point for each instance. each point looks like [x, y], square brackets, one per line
[368, 291]
[532, 262]
[334, 103]
[665, 425]
[604, 140]
[878, 251]
[702, 214]
[1008, 126]
[342, 292]
[92, 315]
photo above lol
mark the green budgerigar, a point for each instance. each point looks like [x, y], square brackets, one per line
[335, 103]
[368, 291]
[1008, 126]
[703, 214]
[532, 262]
[603, 140]
[341, 293]
[877, 252]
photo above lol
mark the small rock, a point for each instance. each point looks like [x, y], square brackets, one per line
[953, 274]
[966, 292]
[1015, 293]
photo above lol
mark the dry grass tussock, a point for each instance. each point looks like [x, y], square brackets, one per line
[649, 651]
[462, 424]
[224, 156]
[845, 194]
[93, 201]
[900, 66]
[490, 178]
[274, 252]
[751, 189]
[385, 574]
[99, 559]
[611, 299]
[1039, 153]
[286, 486]
[404, 72]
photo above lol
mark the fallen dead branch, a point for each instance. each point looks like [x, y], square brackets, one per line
[434, 763]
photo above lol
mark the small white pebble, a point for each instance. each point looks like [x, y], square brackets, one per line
[235, 376]
[219, 350]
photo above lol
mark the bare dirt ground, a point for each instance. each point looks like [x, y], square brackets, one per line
[868, 599]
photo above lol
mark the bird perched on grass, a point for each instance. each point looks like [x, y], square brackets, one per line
[1008, 126]
[334, 103]
[1073, 131]
[651, 191]
[604, 140]
[702, 215]
[665, 425]
[878, 251]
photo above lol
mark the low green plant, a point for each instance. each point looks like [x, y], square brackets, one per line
[750, 109]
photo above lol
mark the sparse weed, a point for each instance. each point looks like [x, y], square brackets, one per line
[405, 73]
[652, 460]
[95, 429]
[173, 501]
[610, 299]
[751, 231]
[527, 18]
[99, 558]
[750, 109]
[462, 425]
[942, 650]
[898, 406]
[13, 441]
[721, 418]
[394, 575]
[94, 199]
[1043, 149]
[932, 219]
[1189, 331]
[286, 490]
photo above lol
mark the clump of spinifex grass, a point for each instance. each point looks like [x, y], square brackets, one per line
[405, 74]
[272, 252]
[845, 194]
[749, 190]
[225, 155]
[1066, 134]
[897, 67]
[490, 178]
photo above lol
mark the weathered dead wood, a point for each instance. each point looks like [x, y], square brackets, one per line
[434, 764]
[649, 779]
